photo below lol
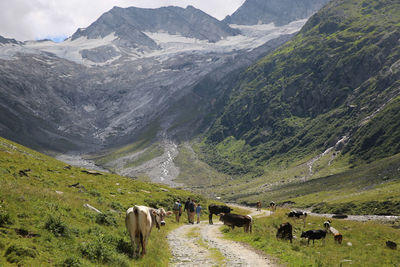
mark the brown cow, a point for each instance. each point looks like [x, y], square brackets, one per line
[338, 237]
[285, 231]
[139, 221]
[232, 220]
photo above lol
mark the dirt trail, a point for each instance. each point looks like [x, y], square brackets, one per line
[203, 245]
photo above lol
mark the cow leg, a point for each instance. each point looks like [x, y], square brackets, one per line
[136, 245]
[143, 241]
[210, 218]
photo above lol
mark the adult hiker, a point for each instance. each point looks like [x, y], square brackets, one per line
[191, 211]
[198, 212]
[187, 208]
[259, 205]
[177, 209]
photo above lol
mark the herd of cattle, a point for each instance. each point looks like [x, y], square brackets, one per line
[140, 220]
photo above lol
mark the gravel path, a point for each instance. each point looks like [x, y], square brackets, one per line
[203, 245]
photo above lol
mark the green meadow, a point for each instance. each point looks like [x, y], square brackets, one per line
[43, 221]
[363, 242]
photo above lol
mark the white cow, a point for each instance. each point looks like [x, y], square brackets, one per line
[139, 222]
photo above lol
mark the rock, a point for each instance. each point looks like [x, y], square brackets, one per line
[86, 205]
[59, 192]
[391, 244]
[163, 189]
[145, 191]
[339, 216]
[349, 244]
[24, 172]
[92, 172]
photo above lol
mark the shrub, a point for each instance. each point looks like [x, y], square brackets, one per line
[71, 262]
[97, 250]
[94, 193]
[116, 206]
[5, 218]
[124, 247]
[56, 226]
[106, 219]
[16, 253]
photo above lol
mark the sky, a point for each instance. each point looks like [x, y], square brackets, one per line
[56, 19]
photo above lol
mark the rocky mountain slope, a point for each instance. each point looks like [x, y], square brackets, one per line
[108, 82]
[280, 12]
[334, 86]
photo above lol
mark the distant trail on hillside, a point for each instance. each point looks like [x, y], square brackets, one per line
[196, 245]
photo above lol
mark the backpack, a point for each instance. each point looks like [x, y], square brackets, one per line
[176, 206]
[191, 207]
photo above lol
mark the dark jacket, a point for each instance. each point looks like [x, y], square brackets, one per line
[186, 205]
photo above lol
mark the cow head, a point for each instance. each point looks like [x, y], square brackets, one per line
[227, 209]
[159, 217]
[221, 215]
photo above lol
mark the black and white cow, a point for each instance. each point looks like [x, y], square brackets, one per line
[296, 214]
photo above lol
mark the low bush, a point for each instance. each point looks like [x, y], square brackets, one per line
[106, 219]
[5, 218]
[56, 226]
[71, 262]
[125, 247]
[16, 253]
[102, 250]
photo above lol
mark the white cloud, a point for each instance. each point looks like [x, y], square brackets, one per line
[33, 19]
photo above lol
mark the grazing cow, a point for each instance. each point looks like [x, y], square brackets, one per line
[298, 215]
[232, 220]
[217, 209]
[272, 205]
[139, 222]
[314, 234]
[285, 231]
[336, 235]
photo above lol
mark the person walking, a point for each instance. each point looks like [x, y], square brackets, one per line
[198, 212]
[187, 208]
[259, 205]
[191, 211]
[177, 209]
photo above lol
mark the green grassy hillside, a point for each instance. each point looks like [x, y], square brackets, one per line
[338, 77]
[363, 242]
[43, 220]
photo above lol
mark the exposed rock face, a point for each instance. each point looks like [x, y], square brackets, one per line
[280, 12]
[4, 40]
[130, 68]
[130, 24]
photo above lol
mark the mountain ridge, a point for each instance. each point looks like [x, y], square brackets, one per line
[317, 89]
[279, 12]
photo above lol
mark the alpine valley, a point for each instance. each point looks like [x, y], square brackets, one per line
[285, 100]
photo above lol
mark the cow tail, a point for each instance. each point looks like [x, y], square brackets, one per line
[136, 212]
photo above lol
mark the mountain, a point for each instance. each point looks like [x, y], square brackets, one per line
[334, 87]
[131, 24]
[127, 71]
[279, 12]
[4, 40]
